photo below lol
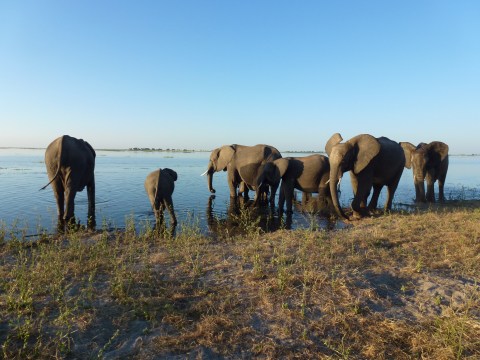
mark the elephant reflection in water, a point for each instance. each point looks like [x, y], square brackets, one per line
[242, 217]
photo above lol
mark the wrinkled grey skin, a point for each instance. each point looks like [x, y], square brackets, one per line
[159, 186]
[372, 162]
[70, 164]
[309, 174]
[243, 165]
[428, 162]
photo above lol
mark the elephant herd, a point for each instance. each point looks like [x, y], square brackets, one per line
[372, 162]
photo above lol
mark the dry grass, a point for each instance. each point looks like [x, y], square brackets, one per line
[395, 286]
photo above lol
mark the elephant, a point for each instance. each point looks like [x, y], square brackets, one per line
[309, 174]
[70, 164]
[430, 162]
[243, 164]
[372, 162]
[159, 186]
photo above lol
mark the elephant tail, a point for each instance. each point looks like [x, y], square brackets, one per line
[59, 164]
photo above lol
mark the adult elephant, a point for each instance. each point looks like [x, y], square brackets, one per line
[308, 174]
[70, 164]
[372, 162]
[243, 164]
[429, 162]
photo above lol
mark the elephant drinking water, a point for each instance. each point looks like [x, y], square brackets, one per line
[309, 174]
[243, 164]
[372, 162]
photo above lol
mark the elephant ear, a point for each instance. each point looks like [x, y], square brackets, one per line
[225, 155]
[408, 149]
[440, 148]
[172, 173]
[368, 147]
[334, 140]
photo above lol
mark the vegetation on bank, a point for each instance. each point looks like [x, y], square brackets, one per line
[402, 285]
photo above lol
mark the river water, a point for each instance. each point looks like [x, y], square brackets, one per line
[121, 197]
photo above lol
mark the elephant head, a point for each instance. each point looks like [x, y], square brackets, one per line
[422, 159]
[353, 155]
[271, 174]
[219, 159]
[171, 173]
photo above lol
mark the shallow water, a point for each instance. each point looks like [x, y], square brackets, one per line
[121, 197]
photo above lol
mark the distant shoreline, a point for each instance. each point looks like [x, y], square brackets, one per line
[193, 151]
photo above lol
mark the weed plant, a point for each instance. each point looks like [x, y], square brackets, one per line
[399, 285]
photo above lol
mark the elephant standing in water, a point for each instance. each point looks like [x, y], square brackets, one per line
[430, 162]
[159, 186]
[372, 162]
[309, 174]
[70, 166]
[243, 164]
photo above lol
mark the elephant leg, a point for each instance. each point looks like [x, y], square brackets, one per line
[322, 197]
[430, 190]
[273, 191]
[243, 189]
[58, 191]
[233, 183]
[441, 194]
[168, 203]
[359, 200]
[374, 200]
[391, 191]
[159, 212]
[281, 198]
[364, 199]
[289, 199]
[305, 198]
[355, 205]
[441, 183]
[91, 204]
[69, 204]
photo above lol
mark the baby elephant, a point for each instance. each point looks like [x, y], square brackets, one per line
[159, 186]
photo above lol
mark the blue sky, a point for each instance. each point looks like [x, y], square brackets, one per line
[200, 74]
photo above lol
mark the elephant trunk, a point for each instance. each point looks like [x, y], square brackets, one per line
[259, 185]
[335, 176]
[210, 172]
[419, 190]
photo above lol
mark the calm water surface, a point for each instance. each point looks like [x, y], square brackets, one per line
[121, 197]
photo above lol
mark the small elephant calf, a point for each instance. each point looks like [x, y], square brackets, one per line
[159, 186]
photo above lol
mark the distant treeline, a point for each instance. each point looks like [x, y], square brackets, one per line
[190, 150]
[159, 149]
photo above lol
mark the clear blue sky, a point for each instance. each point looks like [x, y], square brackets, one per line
[200, 74]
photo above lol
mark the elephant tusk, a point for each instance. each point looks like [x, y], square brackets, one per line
[327, 181]
[206, 171]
